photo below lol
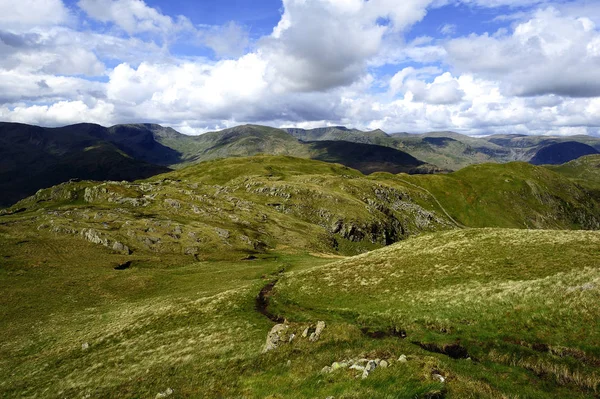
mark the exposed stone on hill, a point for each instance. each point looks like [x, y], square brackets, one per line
[276, 336]
[317, 334]
[369, 368]
[168, 392]
[172, 203]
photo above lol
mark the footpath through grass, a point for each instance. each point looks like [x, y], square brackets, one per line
[523, 304]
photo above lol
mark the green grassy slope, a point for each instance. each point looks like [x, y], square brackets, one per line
[520, 304]
[204, 240]
[585, 171]
[512, 195]
[239, 206]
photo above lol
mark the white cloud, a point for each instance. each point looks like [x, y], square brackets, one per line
[133, 16]
[229, 40]
[318, 67]
[549, 54]
[19, 15]
[322, 44]
[448, 29]
[60, 113]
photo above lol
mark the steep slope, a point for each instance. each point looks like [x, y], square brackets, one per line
[368, 158]
[243, 141]
[32, 158]
[510, 312]
[237, 206]
[585, 171]
[340, 133]
[140, 145]
[516, 194]
[559, 153]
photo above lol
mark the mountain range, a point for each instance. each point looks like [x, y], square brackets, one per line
[34, 157]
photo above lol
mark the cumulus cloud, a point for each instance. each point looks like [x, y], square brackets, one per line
[321, 65]
[133, 16]
[322, 44]
[18, 15]
[227, 41]
[548, 54]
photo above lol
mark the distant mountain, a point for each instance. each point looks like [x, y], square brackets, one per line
[340, 133]
[369, 158]
[559, 153]
[35, 157]
[243, 141]
[32, 157]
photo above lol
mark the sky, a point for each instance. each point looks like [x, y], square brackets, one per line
[476, 67]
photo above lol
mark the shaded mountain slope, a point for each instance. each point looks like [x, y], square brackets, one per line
[32, 158]
[559, 153]
[368, 158]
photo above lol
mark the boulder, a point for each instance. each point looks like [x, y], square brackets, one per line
[370, 367]
[403, 359]
[317, 334]
[275, 337]
[120, 247]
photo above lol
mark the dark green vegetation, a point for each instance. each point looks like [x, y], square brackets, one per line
[585, 171]
[117, 289]
[559, 153]
[34, 157]
[453, 151]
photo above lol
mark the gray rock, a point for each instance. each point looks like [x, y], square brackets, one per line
[438, 377]
[85, 346]
[326, 370]
[173, 203]
[305, 332]
[403, 359]
[191, 251]
[275, 337]
[384, 364]
[317, 334]
[222, 233]
[357, 367]
[168, 392]
[370, 367]
[94, 237]
[120, 247]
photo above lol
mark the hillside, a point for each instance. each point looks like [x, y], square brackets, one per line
[454, 151]
[188, 271]
[513, 195]
[37, 157]
[369, 158]
[585, 171]
[32, 158]
[559, 153]
[497, 313]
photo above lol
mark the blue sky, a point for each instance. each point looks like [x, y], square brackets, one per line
[473, 66]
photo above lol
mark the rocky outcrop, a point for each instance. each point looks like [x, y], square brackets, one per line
[95, 237]
[277, 335]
